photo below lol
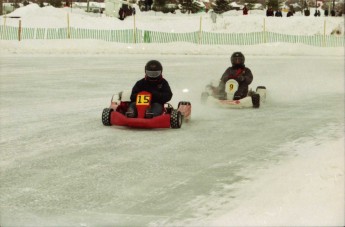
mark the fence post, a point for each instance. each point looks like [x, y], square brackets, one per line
[324, 33]
[264, 27]
[68, 28]
[19, 30]
[200, 30]
[4, 27]
[134, 30]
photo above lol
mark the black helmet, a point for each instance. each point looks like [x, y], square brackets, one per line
[153, 70]
[237, 59]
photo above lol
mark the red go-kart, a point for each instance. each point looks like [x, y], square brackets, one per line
[170, 118]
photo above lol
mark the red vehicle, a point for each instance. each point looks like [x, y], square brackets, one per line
[170, 118]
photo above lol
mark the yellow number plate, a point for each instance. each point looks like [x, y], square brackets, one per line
[143, 100]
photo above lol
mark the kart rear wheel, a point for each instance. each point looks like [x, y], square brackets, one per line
[256, 100]
[106, 116]
[175, 119]
[204, 97]
[261, 90]
[260, 87]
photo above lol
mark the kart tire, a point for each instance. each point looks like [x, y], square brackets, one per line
[256, 100]
[204, 97]
[261, 90]
[260, 87]
[175, 119]
[186, 103]
[106, 116]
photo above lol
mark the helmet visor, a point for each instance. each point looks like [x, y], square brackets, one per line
[237, 60]
[153, 74]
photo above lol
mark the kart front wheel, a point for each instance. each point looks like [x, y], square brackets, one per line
[256, 100]
[106, 116]
[175, 119]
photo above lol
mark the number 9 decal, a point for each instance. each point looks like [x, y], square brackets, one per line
[231, 87]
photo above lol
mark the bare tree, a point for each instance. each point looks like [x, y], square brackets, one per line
[1, 9]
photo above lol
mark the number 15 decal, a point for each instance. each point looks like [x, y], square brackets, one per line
[143, 99]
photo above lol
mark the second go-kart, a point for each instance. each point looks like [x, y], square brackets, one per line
[170, 117]
[253, 99]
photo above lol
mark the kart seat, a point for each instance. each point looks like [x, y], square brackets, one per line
[126, 96]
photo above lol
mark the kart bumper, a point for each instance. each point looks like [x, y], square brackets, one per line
[162, 121]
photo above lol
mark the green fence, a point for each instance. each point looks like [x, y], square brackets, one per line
[120, 36]
[169, 37]
[144, 36]
[252, 38]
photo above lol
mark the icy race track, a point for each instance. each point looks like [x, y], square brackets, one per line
[60, 165]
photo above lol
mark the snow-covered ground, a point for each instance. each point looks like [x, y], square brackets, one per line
[280, 165]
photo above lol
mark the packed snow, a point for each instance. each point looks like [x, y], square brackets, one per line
[279, 165]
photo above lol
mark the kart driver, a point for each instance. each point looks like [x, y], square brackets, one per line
[238, 72]
[154, 83]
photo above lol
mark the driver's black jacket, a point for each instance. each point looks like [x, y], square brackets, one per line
[160, 90]
[235, 72]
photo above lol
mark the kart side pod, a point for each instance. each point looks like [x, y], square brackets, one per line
[185, 108]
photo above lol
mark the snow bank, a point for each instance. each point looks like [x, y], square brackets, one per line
[296, 191]
[102, 47]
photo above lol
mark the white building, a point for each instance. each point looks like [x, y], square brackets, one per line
[95, 7]
[112, 7]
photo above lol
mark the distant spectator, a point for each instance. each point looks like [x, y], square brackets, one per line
[317, 13]
[336, 31]
[292, 9]
[340, 13]
[326, 12]
[148, 4]
[333, 13]
[142, 5]
[307, 12]
[278, 13]
[128, 10]
[122, 14]
[269, 12]
[289, 14]
[245, 10]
